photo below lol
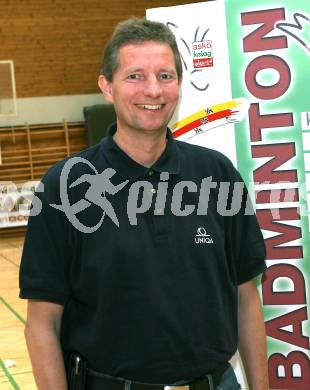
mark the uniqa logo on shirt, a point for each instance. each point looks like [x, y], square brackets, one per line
[202, 237]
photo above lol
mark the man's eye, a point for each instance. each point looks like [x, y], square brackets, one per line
[166, 76]
[134, 76]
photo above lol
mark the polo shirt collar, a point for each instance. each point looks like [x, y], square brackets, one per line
[169, 161]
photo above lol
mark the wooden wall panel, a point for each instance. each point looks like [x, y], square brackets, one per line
[57, 45]
[27, 152]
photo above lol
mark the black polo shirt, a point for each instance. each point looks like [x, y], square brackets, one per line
[152, 299]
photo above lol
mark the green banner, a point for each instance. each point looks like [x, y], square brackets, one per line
[269, 50]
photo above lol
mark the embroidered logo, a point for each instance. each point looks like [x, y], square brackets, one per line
[202, 237]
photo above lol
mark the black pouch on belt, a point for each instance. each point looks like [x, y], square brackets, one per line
[76, 372]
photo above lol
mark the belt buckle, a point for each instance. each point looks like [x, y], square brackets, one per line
[186, 387]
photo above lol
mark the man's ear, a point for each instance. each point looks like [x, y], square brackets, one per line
[106, 88]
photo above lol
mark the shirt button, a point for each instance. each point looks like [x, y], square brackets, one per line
[151, 173]
[153, 190]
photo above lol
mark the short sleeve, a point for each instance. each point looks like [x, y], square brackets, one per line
[245, 241]
[47, 252]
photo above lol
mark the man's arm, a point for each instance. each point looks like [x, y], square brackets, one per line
[42, 336]
[252, 336]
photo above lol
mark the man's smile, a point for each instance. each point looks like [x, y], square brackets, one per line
[153, 107]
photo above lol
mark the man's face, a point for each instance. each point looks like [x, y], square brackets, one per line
[145, 87]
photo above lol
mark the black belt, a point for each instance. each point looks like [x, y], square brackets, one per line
[97, 381]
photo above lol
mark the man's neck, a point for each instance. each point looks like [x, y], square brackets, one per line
[143, 148]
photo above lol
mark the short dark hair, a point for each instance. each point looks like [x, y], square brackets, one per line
[137, 30]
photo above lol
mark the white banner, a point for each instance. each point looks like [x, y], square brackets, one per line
[200, 30]
[15, 201]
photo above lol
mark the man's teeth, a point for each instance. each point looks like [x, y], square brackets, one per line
[151, 107]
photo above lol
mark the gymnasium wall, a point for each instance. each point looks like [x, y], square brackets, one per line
[57, 45]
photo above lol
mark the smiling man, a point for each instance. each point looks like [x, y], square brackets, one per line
[144, 89]
[146, 305]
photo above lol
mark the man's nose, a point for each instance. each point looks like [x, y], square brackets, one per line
[152, 87]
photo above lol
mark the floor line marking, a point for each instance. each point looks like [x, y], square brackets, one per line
[9, 260]
[8, 306]
[9, 376]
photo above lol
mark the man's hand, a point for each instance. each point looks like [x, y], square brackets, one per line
[42, 336]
